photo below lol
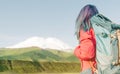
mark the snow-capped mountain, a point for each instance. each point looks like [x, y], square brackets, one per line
[51, 43]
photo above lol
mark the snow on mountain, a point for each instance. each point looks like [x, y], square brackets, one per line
[51, 43]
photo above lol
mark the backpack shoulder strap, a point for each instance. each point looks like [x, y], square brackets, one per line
[92, 67]
[118, 37]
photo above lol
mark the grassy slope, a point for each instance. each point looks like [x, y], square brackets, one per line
[29, 54]
[31, 60]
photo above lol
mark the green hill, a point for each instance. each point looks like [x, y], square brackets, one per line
[31, 60]
[31, 54]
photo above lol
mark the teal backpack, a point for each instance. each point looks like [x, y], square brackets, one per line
[106, 44]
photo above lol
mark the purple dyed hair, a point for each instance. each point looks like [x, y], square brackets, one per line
[83, 19]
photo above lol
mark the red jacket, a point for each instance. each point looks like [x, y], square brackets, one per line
[86, 50]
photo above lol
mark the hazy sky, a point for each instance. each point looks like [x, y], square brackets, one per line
[21, 19]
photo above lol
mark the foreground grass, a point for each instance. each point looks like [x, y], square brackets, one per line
[37, 61]
[18, 66]
[35, 73]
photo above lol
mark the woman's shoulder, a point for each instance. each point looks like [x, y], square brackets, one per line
[86, 34]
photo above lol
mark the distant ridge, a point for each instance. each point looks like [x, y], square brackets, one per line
[44, 43]
[35, 60]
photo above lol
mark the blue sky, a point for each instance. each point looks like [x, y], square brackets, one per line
[21, 19]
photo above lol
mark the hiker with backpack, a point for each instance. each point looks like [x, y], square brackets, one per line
[98, 48]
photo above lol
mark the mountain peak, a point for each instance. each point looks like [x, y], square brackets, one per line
[50, 42]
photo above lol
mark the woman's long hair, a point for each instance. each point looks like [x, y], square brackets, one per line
[83, 19]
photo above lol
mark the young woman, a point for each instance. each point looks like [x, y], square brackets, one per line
[93, 32]
[86, 50]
